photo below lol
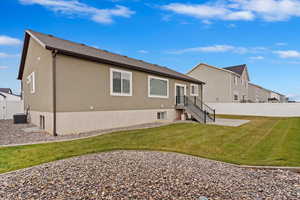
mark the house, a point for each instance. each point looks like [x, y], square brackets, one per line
[9, 96]
[69, 87]
[6, 90]
[10, 104]
[228, 84]
[258, 94]
[276, 97]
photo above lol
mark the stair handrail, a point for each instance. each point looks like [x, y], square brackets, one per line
[188, 102]
[207, 113]
[205, 107]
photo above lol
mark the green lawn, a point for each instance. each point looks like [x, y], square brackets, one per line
[263, 141]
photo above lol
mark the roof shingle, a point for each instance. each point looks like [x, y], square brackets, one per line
[90, 53]
[6, 90]
[239, 69]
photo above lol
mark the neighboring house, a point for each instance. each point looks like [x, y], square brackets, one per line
[6, 90]
[258, 94]
[284, 99]
[276, 97]
[228, 84]
[69, 87]
[10, 104]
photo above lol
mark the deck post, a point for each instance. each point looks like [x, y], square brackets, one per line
[214, 115]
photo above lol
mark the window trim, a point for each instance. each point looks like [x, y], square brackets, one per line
[238, 95]
[31, 82]
[236, 80]
[197, 90]
[158, 96]
[182, 85]
[159, 114]
[112, 93]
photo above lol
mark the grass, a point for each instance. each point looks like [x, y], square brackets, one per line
[263, 141]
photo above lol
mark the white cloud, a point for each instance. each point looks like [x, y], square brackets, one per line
[74, 7]
[3, 67]
[6, 55]
[208, 11]
[288, 54]
[207, 22]
[231, 26]
[280, 44]
[240, 15]
[267, 10]
[257, 58]
[206, 49]
[270, 10]
[143, 51]
[220, 49]
[6, 40]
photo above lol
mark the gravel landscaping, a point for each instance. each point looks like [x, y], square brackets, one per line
[146, 175]
[13, 134]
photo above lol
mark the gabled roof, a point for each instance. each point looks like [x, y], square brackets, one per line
[221, 69]
[258, 86]
[97, 55]
[6, 90]
[2, 95]
[271, 91]
[239, 69]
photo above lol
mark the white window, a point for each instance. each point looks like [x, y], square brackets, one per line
[158, 87]
[235, 80]
[194, 89]
[236, 97]
[31, 82]
[161, 115]
[120, 82]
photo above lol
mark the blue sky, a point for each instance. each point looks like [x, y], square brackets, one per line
[178, 34]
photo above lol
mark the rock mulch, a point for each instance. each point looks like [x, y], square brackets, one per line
[146, 175]
[13, 134]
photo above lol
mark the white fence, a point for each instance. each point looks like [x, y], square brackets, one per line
[9, 108]
[258, 109]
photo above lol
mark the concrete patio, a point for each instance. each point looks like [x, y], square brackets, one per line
[229, 122]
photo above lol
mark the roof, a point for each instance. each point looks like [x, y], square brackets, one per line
[239, 69]
[97, 55]
[6, 90]
[2, 95]
[204, 64]
[267, 89]
[260, 87]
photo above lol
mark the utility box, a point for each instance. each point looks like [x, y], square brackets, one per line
[20, 119]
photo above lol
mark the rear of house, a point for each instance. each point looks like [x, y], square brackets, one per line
[70, 88]
[222, 84]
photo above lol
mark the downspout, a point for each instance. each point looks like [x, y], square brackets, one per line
[54, 53]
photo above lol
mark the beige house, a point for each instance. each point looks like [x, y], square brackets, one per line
[70, 88]
[276, 97]
[258, 94]
[228, 84]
